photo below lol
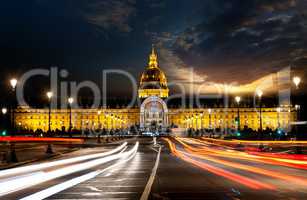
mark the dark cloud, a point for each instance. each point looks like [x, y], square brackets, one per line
[222, 40]
[261, 36]
[109, 14]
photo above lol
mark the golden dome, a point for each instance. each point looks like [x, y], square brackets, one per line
[153, 80]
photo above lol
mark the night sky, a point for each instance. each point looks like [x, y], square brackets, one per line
[224, 41]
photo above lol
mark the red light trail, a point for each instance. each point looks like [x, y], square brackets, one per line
[38, 139]
[201, 155]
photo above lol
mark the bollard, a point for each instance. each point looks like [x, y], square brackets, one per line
[49, 149]
[13, 156]
[98, 139]
[4, 157]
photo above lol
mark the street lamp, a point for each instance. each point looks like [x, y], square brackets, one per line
[259, 94]
[4, 111]
[13, 83]
[238, 99]
[296, 80]
[70, 101]
[49, 95]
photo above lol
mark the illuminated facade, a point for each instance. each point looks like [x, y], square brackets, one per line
[154, 112]
[29, 118]
[225, 118]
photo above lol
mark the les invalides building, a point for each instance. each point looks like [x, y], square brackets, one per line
[153, 112]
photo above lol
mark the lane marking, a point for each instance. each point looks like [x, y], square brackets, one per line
[94, 189]
[154, 149]
[75, 181]
[151, 179]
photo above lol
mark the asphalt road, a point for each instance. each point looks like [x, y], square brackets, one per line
[190, 169]
[123, 179]
[219, 175]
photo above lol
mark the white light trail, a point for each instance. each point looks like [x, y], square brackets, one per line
[75, 181]
[41, 166]
[13, 185]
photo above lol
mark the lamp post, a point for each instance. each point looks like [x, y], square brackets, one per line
[4, 112]
[238, 99]
[13, 83]
[70, 101]
[49, 96]
[297, 80]
[259, 94]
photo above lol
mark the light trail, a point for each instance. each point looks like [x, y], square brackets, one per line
[243, 155]
[25, 182]
[255, 151]
[253, 184]
[256, 159]
[255, 141]
[41, 166]
[281, 155]
[200, 154]
[299, 180]
[75, 181]
[37, 139]
[302, 159]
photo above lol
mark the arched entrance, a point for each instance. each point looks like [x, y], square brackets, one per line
[153, 114]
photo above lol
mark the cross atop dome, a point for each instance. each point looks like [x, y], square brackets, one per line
[153, 58]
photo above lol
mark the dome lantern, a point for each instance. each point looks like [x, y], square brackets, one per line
[153, 59]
